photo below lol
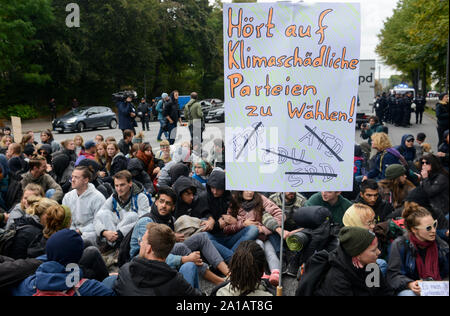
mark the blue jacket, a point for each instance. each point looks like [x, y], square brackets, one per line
[125, 120]
[408, 153]
[52, 276]
[159, 109]
[383, 159]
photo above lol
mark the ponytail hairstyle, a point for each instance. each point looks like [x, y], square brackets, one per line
[411, 213]
[247, 267]
[57, 219]
[38, 205]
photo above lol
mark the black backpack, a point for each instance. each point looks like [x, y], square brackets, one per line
[7, 238]
[316, 268]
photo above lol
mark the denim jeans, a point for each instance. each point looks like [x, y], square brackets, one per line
[226, 245]
[406, 293]
[161, 124]
[382, 264]
[172, 131]
[50, 193]
[190, 273]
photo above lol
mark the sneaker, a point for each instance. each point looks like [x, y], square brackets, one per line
[292, 270]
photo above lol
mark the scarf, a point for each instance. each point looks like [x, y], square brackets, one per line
[148, 162]
[429, 268]
[160, 219]
[248, 205]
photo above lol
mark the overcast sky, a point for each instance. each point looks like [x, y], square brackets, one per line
[373, 14]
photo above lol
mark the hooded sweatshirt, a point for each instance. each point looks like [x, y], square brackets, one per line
[143, 277]
[84, 208]
[216, 206]
[199, 206]
[52, 276]
[408, 152]
[115, 215]
[46, 182]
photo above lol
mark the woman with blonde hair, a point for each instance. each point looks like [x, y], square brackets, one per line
[386, 155]
[19, 210]
[361, 215]
[43, 218]
[79, 144]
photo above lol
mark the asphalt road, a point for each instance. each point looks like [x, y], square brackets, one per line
[216, 130]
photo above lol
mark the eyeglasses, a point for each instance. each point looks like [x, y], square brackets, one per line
[429, 228]
[372, 222]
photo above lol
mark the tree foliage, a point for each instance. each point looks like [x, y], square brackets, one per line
[164, 45]
[414, 39]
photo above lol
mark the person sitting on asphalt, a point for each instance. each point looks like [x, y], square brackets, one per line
[121, 211]
[370, 195]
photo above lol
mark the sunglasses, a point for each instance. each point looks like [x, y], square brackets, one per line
[410, 140]
[429, 228]
[425, 162]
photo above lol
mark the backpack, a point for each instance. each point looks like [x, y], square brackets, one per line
[70, 292]
[316, 268]
[7, 238]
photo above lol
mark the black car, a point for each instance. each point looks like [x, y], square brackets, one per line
[217, 113]
[84, 118]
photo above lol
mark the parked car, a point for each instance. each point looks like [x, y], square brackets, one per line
[84, 118]
[208, 106]
[217, 113]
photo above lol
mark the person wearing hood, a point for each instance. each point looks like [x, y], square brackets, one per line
[84, 201]
[369, 195]
[121, 211]
[407, 149]
[136, 168]
[148, 274]
[189, 202]
[187, 249]
[45, 150]
[348, 273]
[171, 112]
[38, 175]
[63, 248]
[61, 171]
[178, 166]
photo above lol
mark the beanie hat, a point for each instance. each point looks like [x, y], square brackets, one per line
[164, 96]
[354, 240]
[394, 171]
[65, 246]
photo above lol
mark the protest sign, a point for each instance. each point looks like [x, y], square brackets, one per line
[16, 123]
[291, 80]
[433, 288]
